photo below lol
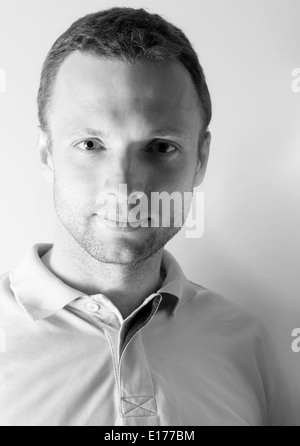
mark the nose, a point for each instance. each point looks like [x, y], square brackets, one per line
[124, 177]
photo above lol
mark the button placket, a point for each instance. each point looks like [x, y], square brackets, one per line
[138, 399]
[108, 313]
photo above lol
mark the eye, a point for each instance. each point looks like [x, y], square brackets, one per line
[165, 147]
[89, 145]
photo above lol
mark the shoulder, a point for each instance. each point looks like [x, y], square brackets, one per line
[218, 308]
[234, 327]
[238, 329]
[242, 336]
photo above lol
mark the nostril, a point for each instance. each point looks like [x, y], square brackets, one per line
[137, 195]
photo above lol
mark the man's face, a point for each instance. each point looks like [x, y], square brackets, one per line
[112, 124]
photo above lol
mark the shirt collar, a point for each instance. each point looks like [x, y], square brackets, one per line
[175, 285]
[40, 293]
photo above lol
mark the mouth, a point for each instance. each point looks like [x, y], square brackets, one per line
[122, 224]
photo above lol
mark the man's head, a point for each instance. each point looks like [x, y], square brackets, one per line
[122, 100]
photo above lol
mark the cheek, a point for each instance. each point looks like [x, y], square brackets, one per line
[74, 189]
[179, 178]
[78, 184]
[74, 176]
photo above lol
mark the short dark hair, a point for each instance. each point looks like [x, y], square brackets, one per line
[131, 35]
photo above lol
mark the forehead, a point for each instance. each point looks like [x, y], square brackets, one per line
[90, 87]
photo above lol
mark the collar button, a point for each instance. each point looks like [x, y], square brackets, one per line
[92, 308]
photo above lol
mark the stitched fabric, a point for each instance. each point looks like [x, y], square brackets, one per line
[139, 406]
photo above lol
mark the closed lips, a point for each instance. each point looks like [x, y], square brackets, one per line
[120, 220]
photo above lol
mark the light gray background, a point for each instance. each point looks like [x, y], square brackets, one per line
[248, 48]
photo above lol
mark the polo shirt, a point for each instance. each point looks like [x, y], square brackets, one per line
[186, 356]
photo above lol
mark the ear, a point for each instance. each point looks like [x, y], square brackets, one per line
[203, 154]
[44, 154]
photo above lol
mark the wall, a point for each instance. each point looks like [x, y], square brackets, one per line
[250, 248]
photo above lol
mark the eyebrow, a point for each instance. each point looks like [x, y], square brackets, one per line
[168, 131]
[159, 132]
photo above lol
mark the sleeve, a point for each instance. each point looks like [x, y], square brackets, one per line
[279, 407]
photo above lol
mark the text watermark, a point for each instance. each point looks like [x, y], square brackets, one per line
[296, 80]
[296, 342]
[160, 209]
[2, 341]
[2, 81]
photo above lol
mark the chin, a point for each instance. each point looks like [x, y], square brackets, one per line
[123, 249]
[120, 256]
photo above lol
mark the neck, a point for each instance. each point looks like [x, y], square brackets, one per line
[127, 286]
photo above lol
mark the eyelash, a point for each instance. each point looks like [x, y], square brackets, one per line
[155, 142]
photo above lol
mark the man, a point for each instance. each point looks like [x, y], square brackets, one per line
[102, 327]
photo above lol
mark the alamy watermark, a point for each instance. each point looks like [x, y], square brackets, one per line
[2, 81]
[296, 80]
[160, 209]
[296, 342]
[2, 341]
